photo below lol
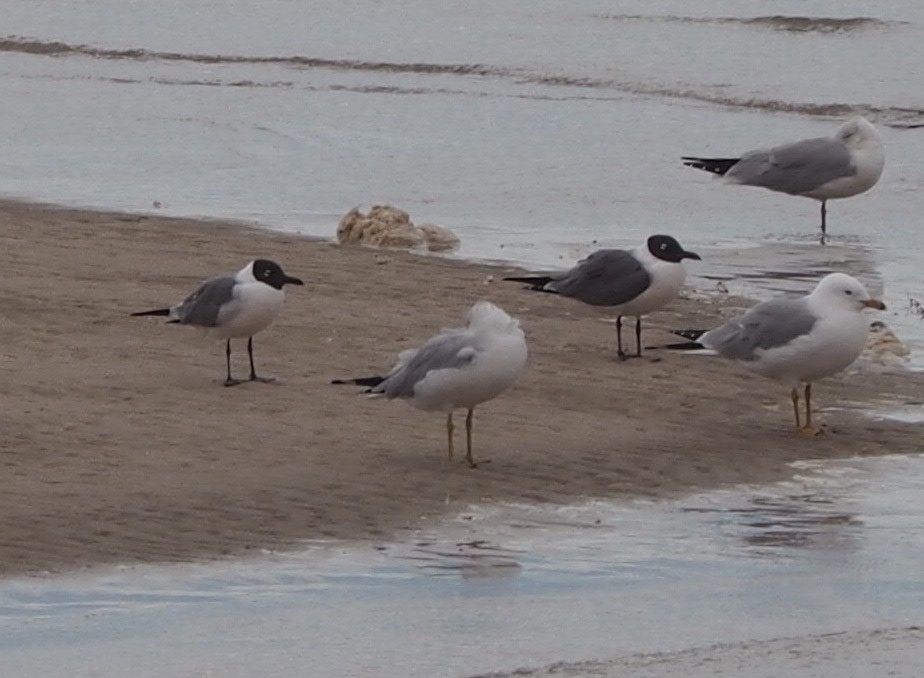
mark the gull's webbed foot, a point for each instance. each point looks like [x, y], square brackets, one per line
[472, 463]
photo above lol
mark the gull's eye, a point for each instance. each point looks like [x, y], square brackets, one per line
[848, 291]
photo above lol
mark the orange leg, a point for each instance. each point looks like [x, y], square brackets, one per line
[808, 429]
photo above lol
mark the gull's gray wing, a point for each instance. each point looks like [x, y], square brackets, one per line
[605, 278]
[450, 350]
[795, 168]
[768, 325]
[203, 307]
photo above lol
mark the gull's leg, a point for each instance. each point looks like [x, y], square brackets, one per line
[638, 336]
[808, 405]
[468, 438]
[253, 371]
[229, 380]
[808, 429]
[449, 429]
[619, 351]
[824, 214]
[794, 394]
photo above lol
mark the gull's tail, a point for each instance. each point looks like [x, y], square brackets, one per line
[371, 382]
[535, 282]
[715, 165]
[690, 345]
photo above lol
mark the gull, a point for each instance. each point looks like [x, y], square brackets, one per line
[796, 341]
[458, 368]
[823, 168]
[633, 282]
[234, 306]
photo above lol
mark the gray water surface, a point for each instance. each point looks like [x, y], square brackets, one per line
[538, 131]
[835, 550]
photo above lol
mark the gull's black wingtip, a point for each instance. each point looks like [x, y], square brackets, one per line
[692, 335]
[683, 346]
[714, 165]
[156, 311]
[535, 282]
[691, 345]
[361, 381]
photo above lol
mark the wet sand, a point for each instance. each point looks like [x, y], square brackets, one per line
[120, 444]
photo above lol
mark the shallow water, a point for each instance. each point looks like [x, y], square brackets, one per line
[836, 549]
[537, 131]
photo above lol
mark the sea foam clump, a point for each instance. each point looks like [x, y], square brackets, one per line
[387, 226]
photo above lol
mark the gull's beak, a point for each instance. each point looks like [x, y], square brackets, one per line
[691, 255]
[289, 280]
[874, 303]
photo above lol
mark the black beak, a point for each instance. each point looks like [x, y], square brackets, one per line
[289, 280]
[691, 255]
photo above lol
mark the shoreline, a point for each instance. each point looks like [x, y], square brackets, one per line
[120, 445]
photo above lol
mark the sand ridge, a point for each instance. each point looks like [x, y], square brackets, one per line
[120, 445]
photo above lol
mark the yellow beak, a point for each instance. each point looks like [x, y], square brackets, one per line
[874, 303]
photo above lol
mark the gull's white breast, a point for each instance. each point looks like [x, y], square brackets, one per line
[493, 370]
[836, 340]
[667, 279]
[253, 307]
[869, 161]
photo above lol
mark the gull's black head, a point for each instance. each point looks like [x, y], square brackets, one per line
[664, 247]
[272, 274]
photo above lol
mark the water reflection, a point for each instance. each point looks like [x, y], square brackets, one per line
[469, 559]
[775, 268]
[797, 521]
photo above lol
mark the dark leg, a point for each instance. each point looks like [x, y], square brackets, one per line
[824, 214]
[794, 394]
[808, 408]
[449, 429]
[253, 371]
[468, 439]
[808, 405]
[638, 336]
[619, 352]
[229, 381]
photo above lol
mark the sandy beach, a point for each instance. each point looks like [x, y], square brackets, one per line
[120, 444]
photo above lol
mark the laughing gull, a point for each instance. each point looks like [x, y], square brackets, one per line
[634, 282]
[458, 368]
[234, 306]
[796, 341]
[824, 168]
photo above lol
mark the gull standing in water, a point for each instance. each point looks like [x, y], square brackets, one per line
[458, 368]
[823, 168]
[234, 306]
[796, 341]
[632, 282]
